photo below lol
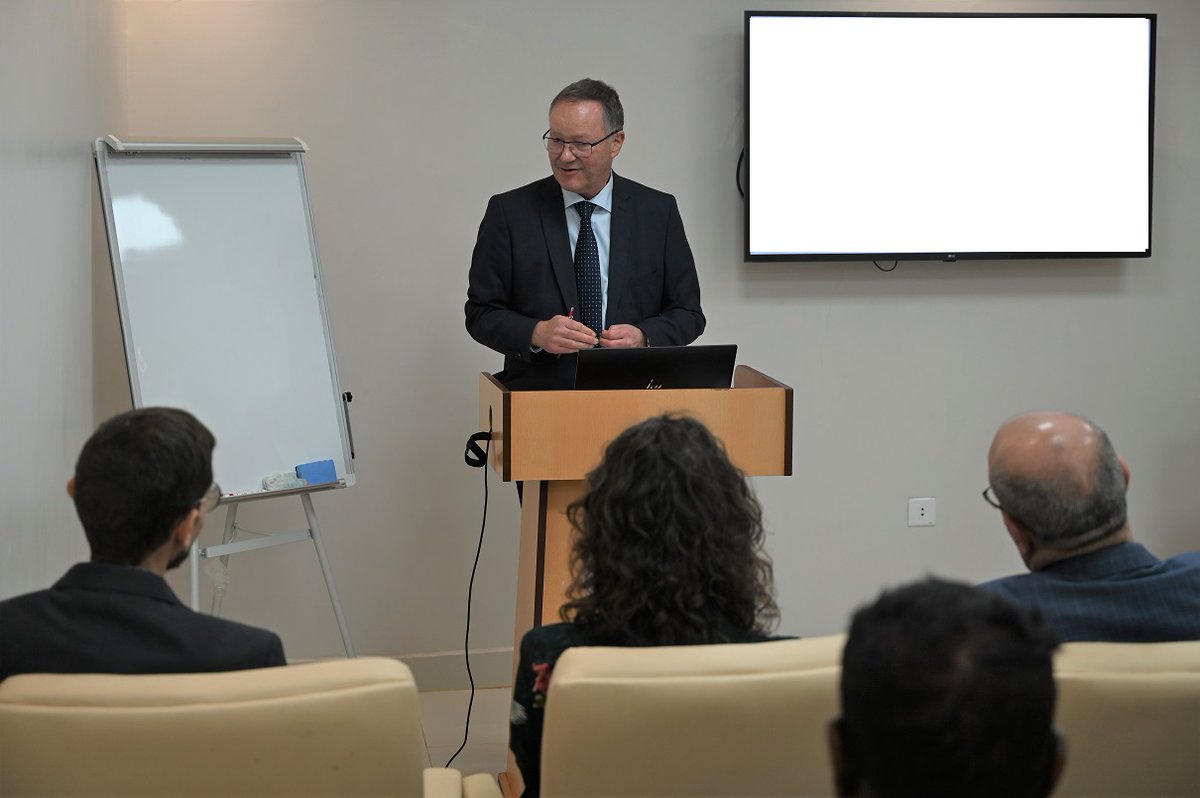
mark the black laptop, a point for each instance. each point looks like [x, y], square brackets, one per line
[709, 366]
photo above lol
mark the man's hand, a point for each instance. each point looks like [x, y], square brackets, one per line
[622, 335]
[560, 335]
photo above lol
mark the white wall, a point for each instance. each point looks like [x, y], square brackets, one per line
[416, 112]
[60, 87]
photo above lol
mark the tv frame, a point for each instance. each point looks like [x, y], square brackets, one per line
[951, 257]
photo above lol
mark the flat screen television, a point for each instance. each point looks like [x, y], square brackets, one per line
[940, 136]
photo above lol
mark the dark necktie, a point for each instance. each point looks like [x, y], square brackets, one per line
[587, 271]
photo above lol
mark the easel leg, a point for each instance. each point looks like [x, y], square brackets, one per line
[219, 584]
[311, 515]
[194, 572]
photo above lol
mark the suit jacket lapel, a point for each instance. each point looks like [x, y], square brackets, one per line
[618, 248]
[554, 226]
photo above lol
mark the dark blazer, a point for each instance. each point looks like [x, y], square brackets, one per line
[1118, 594]
[103, 618]
[522, 272]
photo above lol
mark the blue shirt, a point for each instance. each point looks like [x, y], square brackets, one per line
[1118, 594]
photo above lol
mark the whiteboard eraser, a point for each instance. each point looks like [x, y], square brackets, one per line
[283, 481]
[317, 472]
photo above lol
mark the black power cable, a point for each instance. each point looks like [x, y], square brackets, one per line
[475, 457]
[737, 176]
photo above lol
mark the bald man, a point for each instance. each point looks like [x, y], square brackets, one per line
[1060, 488]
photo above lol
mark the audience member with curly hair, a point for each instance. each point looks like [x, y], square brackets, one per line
[668, 550]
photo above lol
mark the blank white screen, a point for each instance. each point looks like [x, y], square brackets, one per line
[948, 135]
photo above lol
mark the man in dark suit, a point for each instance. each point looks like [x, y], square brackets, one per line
[1061, 488]
[536, 295]
[142, 488]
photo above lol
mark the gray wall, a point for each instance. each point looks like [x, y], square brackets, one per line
[60, 86]
[416, 112]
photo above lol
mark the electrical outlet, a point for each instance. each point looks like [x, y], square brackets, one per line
[922, 512]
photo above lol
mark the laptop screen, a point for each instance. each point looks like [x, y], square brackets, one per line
[709, 366]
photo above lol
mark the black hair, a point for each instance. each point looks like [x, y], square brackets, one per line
[668, 541]
[138, 475]
[948, 690]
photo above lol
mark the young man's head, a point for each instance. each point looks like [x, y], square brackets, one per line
[142, 485]
[946, 691]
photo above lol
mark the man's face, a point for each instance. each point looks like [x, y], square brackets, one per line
[582, 121]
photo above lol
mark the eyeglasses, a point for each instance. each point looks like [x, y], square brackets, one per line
[580, 149]
[989, 496]
[208, 502]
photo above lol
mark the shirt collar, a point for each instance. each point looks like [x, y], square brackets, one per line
[117, 578]
[1108, 561]
[602, 200]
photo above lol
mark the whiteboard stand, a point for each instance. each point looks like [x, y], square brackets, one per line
[264, 540]
[198, 224]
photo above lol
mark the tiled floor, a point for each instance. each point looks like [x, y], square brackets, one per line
[442, 717]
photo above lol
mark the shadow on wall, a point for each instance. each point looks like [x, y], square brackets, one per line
[968, 279]
[110, 379]
[1181, 464]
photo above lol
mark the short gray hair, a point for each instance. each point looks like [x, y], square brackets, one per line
[588, 90]
[1061, 513]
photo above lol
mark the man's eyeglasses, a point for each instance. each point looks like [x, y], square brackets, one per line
[580, 149]
[989, 496]
[208, 502]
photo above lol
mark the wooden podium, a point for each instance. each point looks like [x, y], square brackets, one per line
[552, 439]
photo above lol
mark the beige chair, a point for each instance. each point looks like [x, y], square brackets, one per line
[343, 727]
[722, 720]
[1131, 715]
[749, 720]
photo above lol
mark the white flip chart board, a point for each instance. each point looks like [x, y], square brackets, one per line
[222, 308]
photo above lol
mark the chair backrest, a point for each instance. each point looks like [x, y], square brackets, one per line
[1131, 716]
[750, 719]
[720, 720]
[344, 727]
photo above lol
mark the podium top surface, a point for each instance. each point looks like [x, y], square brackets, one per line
[561, 435]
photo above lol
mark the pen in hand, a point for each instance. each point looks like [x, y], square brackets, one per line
[570, 316]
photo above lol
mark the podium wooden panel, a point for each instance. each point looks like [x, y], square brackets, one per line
[552, 439]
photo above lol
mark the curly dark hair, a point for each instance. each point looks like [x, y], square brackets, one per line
[668, 546]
